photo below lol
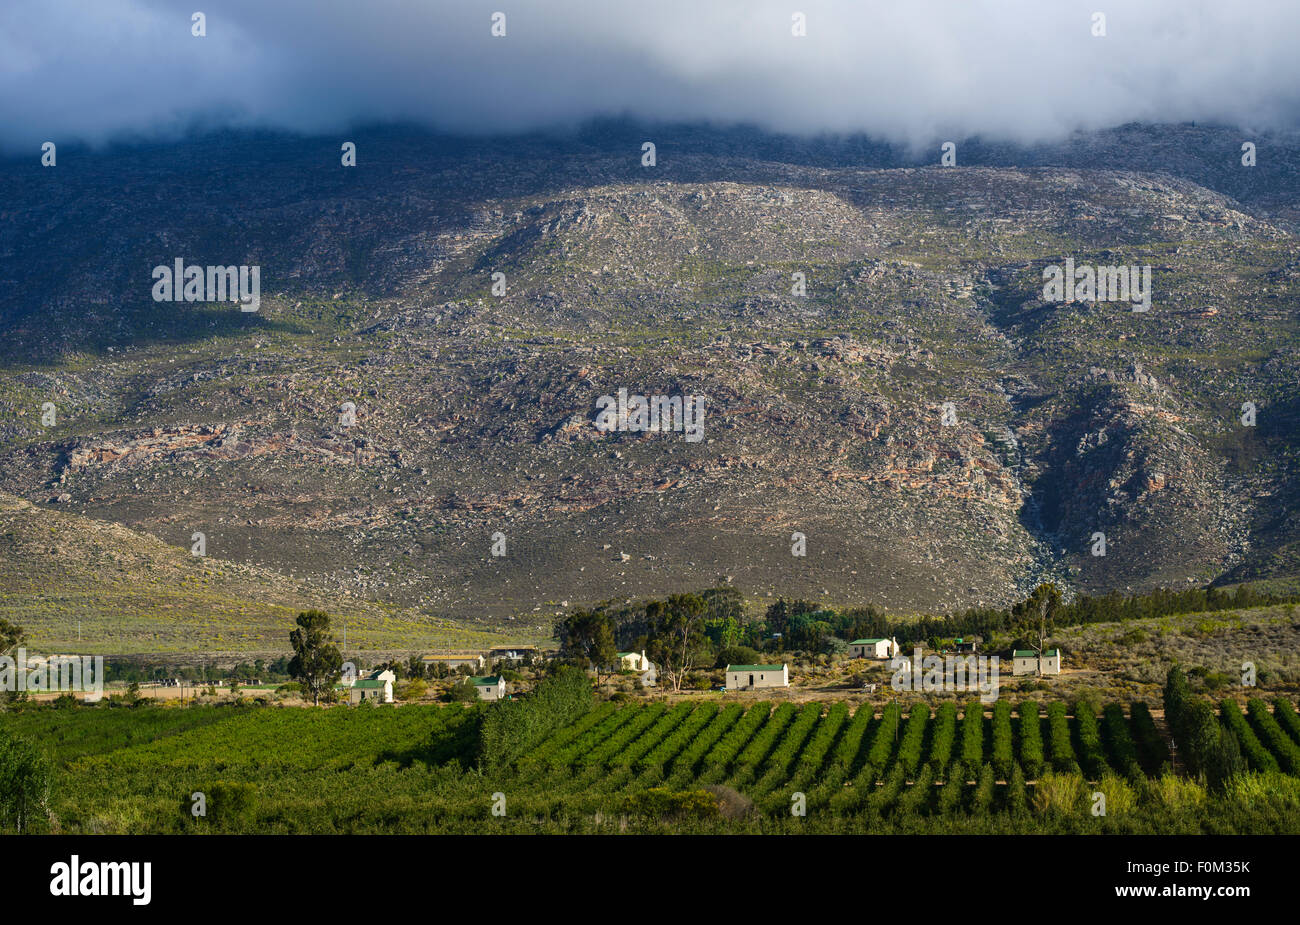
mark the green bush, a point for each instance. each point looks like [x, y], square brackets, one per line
[1003, 758]
[981, 800]
[909, 750]
[1060, 794]
[1153, 750]
[24, 784]
[1060, 752]
[1286, 716]
[943, 734]
[660, 803]
[1123, 750]
[1092, 757]
[1253, 750]
[1031, 739]
[882, 743]
[738, 655]
[511, 728]
[231, 803]
[972, 740]
[1273, 736]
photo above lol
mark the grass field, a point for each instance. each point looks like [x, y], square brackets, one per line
[641, 767]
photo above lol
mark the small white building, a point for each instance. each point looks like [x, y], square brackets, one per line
[749, 677]
[634, 661]
[492, 687]
[1026, 661]
[873, 648]
[372, 690]
[455, 661]
[382, 674]
[512, 653]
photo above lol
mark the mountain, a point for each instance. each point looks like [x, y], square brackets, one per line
[826, 414]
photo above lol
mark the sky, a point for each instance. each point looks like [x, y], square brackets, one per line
[907, 71]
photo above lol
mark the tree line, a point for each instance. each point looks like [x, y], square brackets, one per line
[687, 631]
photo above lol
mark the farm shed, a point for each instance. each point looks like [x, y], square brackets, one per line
[749, 677]
[633, 661]
[492, 687]
[1026, 661]
[873, 648]
[372, 690]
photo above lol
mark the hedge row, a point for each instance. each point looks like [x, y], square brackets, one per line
[1031, 739]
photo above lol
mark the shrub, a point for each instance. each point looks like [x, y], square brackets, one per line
[882, 743]
[943, 733]
[24, 783]
[1120, 796]
[412, 690]
[1060, 794]
[1286, 717]
[982, 795]
[909, 750]
[846, 750]
[1175, 793]
[914, 800]
[1059, 750]
[880, 799]
[738, 655]
[660, 802]
[1123, 751]
[739, 735]
[950, 794]
[972, 740]
[462, 692]
[230, 804]
[1091, 755]
[1153, 750]
[1003, 758]
[1254, 752]
[1031, 739]
[511, 728]
[1017, 797]
[1273, 736]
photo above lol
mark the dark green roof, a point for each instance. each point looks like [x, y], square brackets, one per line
[490, 679]
[755, 667]
[368, 682]
[1030, 653]
[866, 642]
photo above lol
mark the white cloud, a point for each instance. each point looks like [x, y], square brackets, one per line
[908, 70]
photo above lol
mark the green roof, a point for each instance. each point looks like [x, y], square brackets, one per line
[368, 683]
[1030, 653]
[490, 679]
[866, 642]
[755, 667]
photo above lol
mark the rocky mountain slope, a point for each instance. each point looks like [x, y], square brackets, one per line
[940, 434]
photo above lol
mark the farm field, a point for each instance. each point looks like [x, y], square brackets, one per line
[688, 766]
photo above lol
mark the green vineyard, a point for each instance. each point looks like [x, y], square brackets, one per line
[688, 766]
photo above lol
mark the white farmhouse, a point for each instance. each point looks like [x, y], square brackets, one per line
[1026, 661]
[492, 687]
[749, 677]
[372, 690]
[873, 648]
[634, 661]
